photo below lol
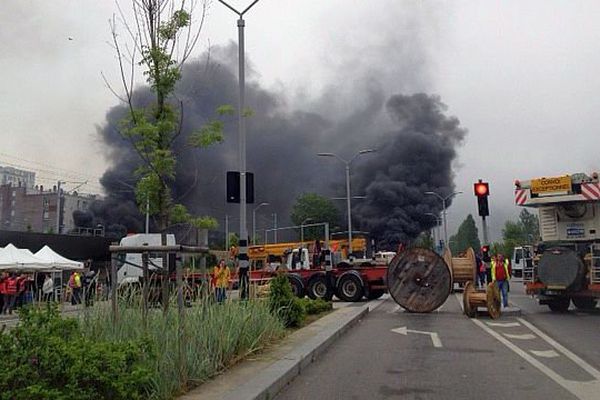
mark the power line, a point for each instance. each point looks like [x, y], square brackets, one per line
[47, 165]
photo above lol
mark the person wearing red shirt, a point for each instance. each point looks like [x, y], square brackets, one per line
[11, 294]
[2, 291]
[501, 274]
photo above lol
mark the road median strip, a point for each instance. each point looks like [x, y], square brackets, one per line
[262, 376]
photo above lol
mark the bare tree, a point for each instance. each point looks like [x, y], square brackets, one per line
[159, 37]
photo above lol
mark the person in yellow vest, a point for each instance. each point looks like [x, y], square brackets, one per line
[501, 274]
[222, 273]
[75, 285]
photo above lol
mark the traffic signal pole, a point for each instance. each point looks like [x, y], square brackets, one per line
[485, 231]
[482, 191]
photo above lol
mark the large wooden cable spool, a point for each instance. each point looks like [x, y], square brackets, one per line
[489, 299]
[463, 268]
[419, 280]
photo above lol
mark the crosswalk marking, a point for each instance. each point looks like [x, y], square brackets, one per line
[524, 336]
[504, 324]
[545, 353]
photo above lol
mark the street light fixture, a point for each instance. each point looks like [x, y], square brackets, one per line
[348, 195]
[444, 200]
[254, 221]
[243, 248]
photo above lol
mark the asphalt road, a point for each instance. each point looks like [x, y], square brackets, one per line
[539, 355]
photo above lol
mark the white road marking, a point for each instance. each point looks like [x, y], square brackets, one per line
[545, 353]
[569, 354]
[435, 338]
[524, 336]
[393, 310]
[582, 390]
[504, 324]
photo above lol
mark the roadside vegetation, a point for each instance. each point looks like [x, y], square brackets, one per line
[158, 356]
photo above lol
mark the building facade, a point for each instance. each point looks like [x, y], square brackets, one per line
[16, 177]
[34, 209]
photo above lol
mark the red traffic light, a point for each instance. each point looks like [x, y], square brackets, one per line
[481, 189]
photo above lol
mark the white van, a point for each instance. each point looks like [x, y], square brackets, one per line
[130, 264]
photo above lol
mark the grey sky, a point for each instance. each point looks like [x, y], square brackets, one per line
[520, 75]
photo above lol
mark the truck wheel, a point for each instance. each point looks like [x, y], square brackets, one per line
[375, 294]
[584, 303]
[350, 288]
[297, 286]
[560, 304]
[317, 288]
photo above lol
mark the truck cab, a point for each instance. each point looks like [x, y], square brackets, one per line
[298, 259]
[521, 259]
[566, 265]
[130, 264]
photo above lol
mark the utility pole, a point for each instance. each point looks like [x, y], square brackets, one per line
[226, 232]
[147, 214]
[58, 207]
[275, 227]
[444, 201]
[243, 261]
[347, 163]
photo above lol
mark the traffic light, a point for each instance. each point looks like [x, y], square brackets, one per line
[482, 191]
[233, 187]
[485, 253]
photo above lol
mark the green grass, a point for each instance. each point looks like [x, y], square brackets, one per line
[212, 338]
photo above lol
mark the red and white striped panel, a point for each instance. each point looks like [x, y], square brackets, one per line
[590, 191]
[521, 196]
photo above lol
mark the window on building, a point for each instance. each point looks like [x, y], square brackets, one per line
[14, 193]
[12, 213]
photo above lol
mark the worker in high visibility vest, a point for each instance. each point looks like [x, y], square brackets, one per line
[501, 274]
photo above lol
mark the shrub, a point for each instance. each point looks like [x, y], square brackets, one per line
[316, 306]
[284, 304]
[213, 337]
[47, 357]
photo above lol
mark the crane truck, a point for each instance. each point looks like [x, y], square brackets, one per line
[565, 267]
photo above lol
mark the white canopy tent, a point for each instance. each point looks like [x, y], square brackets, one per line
[54, 260]
[15, 259]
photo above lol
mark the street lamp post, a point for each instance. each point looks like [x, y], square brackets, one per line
[436, 230]
[444, 200]
[347, 163]
[275, 227]
[243, 245]
[254, 221]
[302, 230]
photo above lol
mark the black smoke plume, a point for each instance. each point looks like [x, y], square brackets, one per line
[282, 147]
[414, 159]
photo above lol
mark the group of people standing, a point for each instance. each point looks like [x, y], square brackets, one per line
[220, 280]
[15, 291]
[494, 269]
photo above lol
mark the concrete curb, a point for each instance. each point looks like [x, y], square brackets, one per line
[264, 382]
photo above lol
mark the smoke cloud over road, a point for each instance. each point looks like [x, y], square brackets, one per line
[416, 150]
[415, 158]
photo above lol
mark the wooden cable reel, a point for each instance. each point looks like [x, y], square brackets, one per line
[419, 280]
[489, 299]
[463, 268]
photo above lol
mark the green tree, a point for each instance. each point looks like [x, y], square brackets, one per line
[524, 231]
[530, 225]
[425, 240]
[161, 39]
[513, 235]
[316, 209]
[466, 236]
